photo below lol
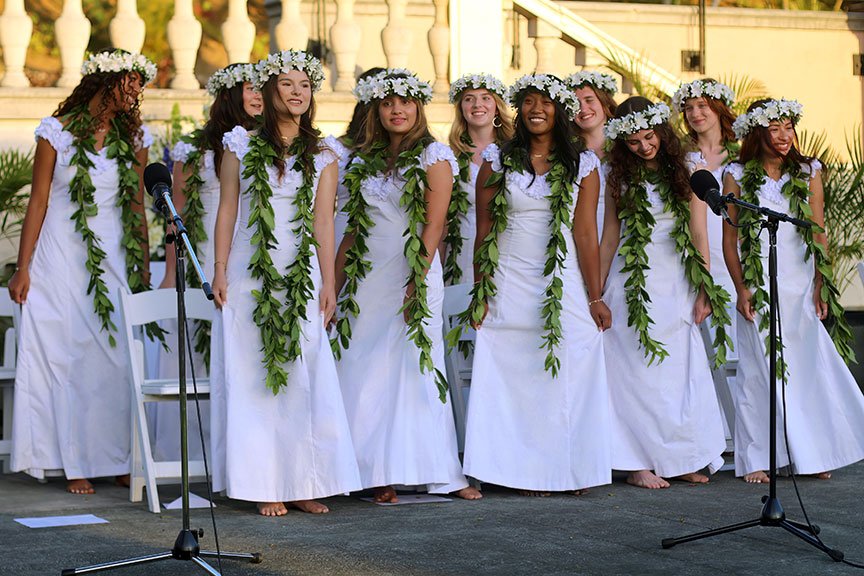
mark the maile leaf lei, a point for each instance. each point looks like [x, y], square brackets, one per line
[459, 206]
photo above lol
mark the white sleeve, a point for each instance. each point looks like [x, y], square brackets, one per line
[588, 162]
[237, 141]
[144, 138]
[492, 154]
[51, 130]
[181, 151]
[324, 158]
[736, 170]
[438, 152]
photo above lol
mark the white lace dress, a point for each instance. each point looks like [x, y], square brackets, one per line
[665, 417]
[72, 390]
[341, 217]
[526, 429]
[403, 434]
[294, 445]
[825, 408]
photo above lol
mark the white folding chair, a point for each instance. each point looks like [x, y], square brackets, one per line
[135, 311]
[722, 376]
[8, 309]
[456, 300]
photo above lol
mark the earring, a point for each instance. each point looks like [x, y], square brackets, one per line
[498, 120]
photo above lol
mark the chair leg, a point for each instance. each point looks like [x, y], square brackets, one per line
[8, 396]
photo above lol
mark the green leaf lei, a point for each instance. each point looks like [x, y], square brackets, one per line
[797, 191]
[118, 147]
[413, 199]
[638, 224]
[459, 206]
[281, 332]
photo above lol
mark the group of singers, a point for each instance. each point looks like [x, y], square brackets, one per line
[593, 266]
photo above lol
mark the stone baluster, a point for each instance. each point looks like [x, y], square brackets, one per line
[72, 30]
[545, 38]
[345, 40]
[127, 29]
[184, 38]
[15, 30]
[291, 33]
[439, 46]
[238, 32]
[396, 36]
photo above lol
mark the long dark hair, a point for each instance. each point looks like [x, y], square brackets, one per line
[226, 112]
[309, 135]
[356, 129]
[752, 145]
[625, 167]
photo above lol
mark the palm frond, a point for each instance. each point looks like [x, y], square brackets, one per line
[16, 172]
[747, 90]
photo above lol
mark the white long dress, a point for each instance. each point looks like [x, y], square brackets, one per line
[341, 217]
[825, 408]
[665, 417]
[603, 172]
[294, 445]
[72, 389]
[403, 434]
[526, 429]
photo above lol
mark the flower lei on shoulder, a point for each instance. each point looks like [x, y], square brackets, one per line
[82, 190]
[281, 330]
[413, 199]
[459, 206]
[797, 191]
[638, 225]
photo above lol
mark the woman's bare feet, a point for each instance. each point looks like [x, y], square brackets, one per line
[758, 477]
[80, 486]
[272, 509]
[468, 493]
[823, 476]
[580, 492]
[534, 493]
[646, 479]
[309, 506]
[122, 481]
[384, 495]
[693, 478]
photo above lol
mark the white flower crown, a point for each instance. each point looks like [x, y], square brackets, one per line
[286, 61]
[765, 114]
[119, 61]
[230, 76]
[475, 81]
[390, 82]
[597, 80]
[549, 85]
[699, 88]
[636, 121]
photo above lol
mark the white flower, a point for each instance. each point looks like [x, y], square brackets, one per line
[230, 76]
[119, 61]
[765, 114]
[475, 81]
[393, 81]
[546, 84]
[597, 80]
[285, 61]
[636, 121]
[699, 88]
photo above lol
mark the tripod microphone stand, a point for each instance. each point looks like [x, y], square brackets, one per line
[186, 545]
[772, 511]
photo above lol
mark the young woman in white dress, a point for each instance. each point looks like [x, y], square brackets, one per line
[389, 275]
[538, 420]
[824, 408]
[279, 432]
[481, 118]
[72, 392]
[596, 94]
[654, 256]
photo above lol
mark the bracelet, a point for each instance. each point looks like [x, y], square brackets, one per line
[592, 302]
[217, 262]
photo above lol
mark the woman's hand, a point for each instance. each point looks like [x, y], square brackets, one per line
[600, 313]
[220, 286]
[702, 307]
[168, 281]
[821, 305]
[745, 304]
[479, 323]
[327, 297]
[19, 285]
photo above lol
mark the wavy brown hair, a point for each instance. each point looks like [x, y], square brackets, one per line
[356, 129]
[759, 139]
[724, 113]
[459, 127]
[308, 134]
[226, 112]
[626, 167]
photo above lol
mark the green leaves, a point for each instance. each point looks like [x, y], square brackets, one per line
[459, 206]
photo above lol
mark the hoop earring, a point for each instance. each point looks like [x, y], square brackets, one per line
[496, 119]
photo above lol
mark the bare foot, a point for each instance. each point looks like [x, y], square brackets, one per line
[80, 486]
[758, 477]
[272, 509]
[578, 492]
[309, 506]
[693, 478]
[385, 494]
[646, 479]
[534, 493]
[823, 476]
[122, 481]
[468, 493]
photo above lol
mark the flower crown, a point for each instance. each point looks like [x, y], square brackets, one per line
[699, 88]
[230, 76]
[635, 121]
[474, 81]
[597, 80]
[119, 61]
[285, 61]
[549, 85]
[393, 81]
[764, 114]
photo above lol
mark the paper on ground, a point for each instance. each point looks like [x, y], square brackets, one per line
[195, 501]
[54, 521]
[411, 499]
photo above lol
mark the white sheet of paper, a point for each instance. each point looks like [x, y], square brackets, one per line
[195, 501]
[54, 521]
[411, 499]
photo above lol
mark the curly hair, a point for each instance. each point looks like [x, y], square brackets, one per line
[226, 112]
[309, 135]
[626, 167]
[759, 139]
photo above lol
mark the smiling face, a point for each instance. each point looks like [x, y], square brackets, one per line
[478, 107]
[699, 115]
[253, 103]
[644, 144]
[293, 93]
[398, 115]
[538, 113]
[781, 135]
[591, 114]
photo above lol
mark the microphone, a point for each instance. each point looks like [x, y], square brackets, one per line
[157, 182]
[707, 189]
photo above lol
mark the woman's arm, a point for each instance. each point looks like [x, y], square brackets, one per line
[325, 202]
[178, 194]
[744, 303]
[588, 248]
[439, 180]
[226, 217]
[699, 234]
[817, 205]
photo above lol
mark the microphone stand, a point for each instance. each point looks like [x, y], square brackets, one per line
[186, 545]
[772, 511]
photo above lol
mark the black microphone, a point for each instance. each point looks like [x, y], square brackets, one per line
[707, 189]
[157, 182]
